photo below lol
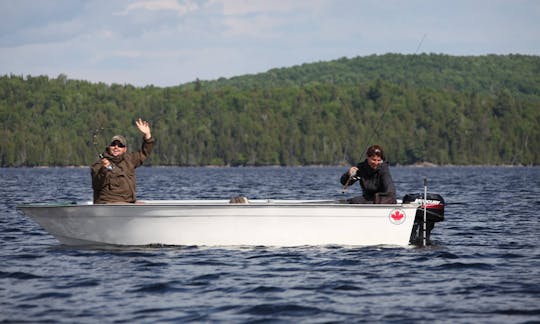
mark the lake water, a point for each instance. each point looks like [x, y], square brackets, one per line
[484, 266]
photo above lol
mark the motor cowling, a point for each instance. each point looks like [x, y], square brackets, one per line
[434, 210]
[434, 206]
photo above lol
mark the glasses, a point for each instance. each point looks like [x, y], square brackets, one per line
[117, 143]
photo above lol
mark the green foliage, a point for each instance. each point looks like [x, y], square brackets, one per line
[421, 108]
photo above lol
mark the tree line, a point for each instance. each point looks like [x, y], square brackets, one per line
[421, 108]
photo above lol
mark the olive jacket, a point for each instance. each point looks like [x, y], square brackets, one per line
[119, 183]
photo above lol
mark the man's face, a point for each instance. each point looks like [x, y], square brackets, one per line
[116, 148]
[374, 161]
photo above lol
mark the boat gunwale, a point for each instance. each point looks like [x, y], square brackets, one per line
[220, 204]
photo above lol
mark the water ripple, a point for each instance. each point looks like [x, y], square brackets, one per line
[483, 267]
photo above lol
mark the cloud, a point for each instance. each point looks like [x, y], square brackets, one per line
[249, 7]
[181, 8]
[23, 22]
[166, 42]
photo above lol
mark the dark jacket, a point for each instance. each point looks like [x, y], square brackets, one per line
[118, 184]
[372, 181]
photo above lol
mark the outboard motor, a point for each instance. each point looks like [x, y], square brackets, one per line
[434, 213]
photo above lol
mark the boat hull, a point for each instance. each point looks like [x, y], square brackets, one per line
[219, 223]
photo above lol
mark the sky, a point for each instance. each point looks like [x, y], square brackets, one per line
[171, 42]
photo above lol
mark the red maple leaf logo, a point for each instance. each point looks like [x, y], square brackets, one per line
[397, 215]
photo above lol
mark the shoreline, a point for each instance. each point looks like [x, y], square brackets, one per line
[416, 165]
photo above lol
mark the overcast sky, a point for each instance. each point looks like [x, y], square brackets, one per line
[169, 42]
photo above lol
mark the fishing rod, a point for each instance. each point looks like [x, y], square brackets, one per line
[95, 135]
[354, 178]
[387, 105]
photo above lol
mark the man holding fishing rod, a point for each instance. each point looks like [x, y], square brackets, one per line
[374, 177]
[113, 176]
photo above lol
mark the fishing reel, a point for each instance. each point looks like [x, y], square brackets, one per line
[352, 179]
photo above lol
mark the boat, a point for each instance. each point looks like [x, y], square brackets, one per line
[280, 223]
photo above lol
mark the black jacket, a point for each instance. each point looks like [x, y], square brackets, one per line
[372, 181]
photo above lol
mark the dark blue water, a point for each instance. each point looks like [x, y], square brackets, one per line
[484, 265]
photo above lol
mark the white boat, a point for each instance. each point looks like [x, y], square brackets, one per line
[222, 223]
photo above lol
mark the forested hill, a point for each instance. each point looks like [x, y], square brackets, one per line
[420, 108]
[466, 73]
